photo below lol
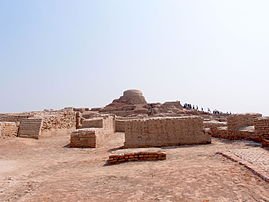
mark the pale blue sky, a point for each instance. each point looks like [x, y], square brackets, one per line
[57, 53]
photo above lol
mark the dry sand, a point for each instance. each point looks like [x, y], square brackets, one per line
[46, 170]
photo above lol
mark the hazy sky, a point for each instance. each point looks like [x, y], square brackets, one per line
[57, 53]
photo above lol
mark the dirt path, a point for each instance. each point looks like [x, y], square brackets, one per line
[46, 170]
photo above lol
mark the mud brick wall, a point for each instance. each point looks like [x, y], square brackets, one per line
[106, 123]
[262, 127]
[30, 128]
[92, 123]
[165, 132]
[13, 117]
[138, 156]
[8, 129]
[58, 120]
[237, 121]
[223, 132]
[83, 138]
[88, 138]
[120, 125]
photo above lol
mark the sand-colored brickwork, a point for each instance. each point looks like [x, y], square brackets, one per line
[137, 156]
[83, 138]
[58, 120]
[89, 138]
[262, 127]
[106, 122]
[120, 125]
[8, 129]
[165, 132]
[237, 121]
[30, 128]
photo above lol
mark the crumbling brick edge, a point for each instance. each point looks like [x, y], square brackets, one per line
[254, 169]
[136, 156]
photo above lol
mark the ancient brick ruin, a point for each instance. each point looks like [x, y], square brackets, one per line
[8, 129]
[261, 125]
[156, 132]
[239, 126]
[137, 156]
[93, 132]
[30, 128]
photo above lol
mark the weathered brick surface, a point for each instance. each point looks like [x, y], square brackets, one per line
[14, 117]
[106, 122]
[120, 125]
[255, 159]
[138, 156]
[83, 138]
[243, 134]
[58, 120]
[262, 127]
[165, 132]
[237, 121]
[8, 129]
[30, 128]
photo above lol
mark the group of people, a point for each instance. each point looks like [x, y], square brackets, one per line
[193, 107]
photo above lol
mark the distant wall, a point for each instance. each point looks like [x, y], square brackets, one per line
[165, 132]
[237, 121]
[262, 127]
[13, 117]
[8, 129]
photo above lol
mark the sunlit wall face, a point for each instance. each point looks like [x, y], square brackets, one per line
[85, 53]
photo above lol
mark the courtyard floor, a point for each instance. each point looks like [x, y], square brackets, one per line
[47, 170]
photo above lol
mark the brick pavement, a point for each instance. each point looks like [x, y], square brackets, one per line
[255, 159]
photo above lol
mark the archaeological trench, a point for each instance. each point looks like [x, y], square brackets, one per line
[143, 125]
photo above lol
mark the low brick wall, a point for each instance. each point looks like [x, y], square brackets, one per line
[105, 122]
[156, 132]
[83, 138]
[89, 138]
[139, 156]
[30, 128]
[8, 129]
[224, 133]
[262, 127]
[237, 121]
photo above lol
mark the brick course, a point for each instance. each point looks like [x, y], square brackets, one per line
[138, 156]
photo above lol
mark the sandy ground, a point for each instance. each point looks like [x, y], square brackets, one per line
[46, 170]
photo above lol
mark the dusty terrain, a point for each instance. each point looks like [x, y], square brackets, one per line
[47, 170]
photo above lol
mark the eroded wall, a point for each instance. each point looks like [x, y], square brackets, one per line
[238, 121]
[8, 129]
[262, 127]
